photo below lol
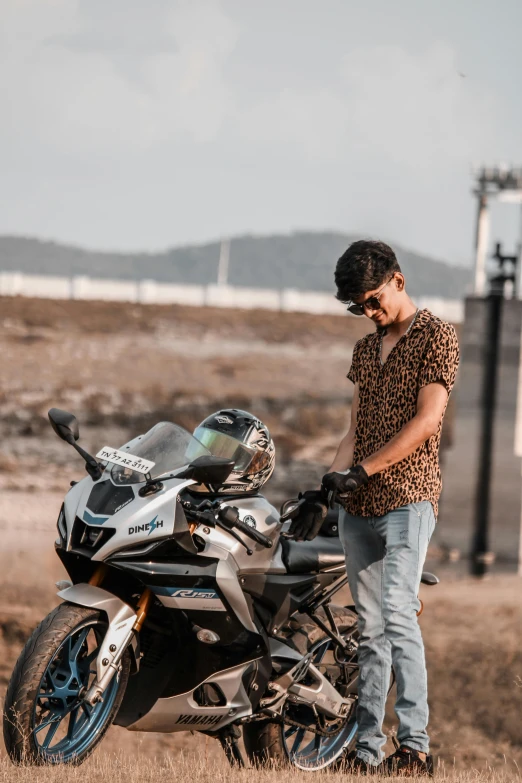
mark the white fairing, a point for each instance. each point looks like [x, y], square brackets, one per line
[181, 713]
[221, 545]
[147, 519]
[144, 520]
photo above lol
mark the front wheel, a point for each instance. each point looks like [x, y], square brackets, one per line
[302, 738]
[45, 720]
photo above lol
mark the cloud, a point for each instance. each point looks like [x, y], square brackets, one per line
[386, 104]
[76, 85]
[118, 115]
[81, 77]
[415, 108]
[313, 122]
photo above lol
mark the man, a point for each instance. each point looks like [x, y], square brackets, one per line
[387, 478]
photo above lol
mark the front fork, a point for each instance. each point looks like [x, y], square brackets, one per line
[124, 626]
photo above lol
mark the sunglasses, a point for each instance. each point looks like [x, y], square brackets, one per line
[372, 303]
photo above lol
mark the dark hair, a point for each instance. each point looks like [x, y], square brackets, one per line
[363, 267]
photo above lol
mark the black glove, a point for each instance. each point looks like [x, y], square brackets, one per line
[309, 519]
[341, 483]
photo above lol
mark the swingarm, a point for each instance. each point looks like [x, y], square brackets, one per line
[319, 694]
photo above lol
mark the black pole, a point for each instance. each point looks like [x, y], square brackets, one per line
[481, 554]
[480, 551]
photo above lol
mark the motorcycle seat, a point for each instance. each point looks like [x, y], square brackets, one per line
[306, 557]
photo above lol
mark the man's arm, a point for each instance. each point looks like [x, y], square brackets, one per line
[344, 457]
[431, 404]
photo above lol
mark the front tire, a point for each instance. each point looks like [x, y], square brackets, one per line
[269, 743]
[45, 721]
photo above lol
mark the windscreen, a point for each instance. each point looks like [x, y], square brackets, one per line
[168, 445]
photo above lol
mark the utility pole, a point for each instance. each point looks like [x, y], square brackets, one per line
[481, 241]
[482, 557]
[503, 184]
[224, 258]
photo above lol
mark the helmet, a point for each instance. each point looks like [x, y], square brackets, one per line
[242, 437]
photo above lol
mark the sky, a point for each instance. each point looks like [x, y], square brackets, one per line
[144, 124]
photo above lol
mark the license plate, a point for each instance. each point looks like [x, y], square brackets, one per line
[125, 459]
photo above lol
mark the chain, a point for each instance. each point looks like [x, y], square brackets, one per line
[417, 311]
[321, 732]
[315, 730]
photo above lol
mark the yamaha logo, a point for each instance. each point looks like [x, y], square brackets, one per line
[224, 420]
[250, 521]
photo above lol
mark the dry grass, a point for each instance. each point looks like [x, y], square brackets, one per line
[188, 766]
[27, 318]
[474, 650]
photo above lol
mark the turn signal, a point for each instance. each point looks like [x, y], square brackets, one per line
[207, 637]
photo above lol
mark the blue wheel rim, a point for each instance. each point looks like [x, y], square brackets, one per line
[313, 752]
[64, 727]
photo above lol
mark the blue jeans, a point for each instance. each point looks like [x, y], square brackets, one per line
[384, 560]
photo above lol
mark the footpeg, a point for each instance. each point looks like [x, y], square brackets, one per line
[282, 685]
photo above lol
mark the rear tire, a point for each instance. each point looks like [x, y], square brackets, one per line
[265, 740]
[55, 664]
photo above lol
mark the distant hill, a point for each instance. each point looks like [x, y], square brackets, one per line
[303, 260]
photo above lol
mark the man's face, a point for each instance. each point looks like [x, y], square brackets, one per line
[382, 304]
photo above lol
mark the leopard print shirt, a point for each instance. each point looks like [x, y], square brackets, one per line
[429, 352]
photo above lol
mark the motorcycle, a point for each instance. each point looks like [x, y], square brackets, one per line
[185, 614]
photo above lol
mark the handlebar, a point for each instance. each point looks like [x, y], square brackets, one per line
[201, 516]
[255, 535]
[228, 518]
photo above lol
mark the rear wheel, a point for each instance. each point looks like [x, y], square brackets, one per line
[301, 738]
[45, 719]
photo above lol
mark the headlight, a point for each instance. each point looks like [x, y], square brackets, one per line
[61, 525]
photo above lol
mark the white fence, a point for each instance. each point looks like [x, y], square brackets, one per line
[152, 292]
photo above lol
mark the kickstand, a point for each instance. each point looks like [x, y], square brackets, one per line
[228, 737]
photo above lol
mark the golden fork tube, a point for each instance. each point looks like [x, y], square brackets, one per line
[98, 576]
[143, 607]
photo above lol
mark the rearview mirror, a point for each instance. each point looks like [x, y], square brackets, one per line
[209, 470]
[64, 424]
[66, 427]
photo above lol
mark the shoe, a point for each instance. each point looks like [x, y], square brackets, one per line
[352, 764]
[408, 763]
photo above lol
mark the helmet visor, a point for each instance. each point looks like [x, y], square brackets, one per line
[221, 445]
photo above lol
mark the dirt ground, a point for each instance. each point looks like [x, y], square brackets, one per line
[121, 368]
